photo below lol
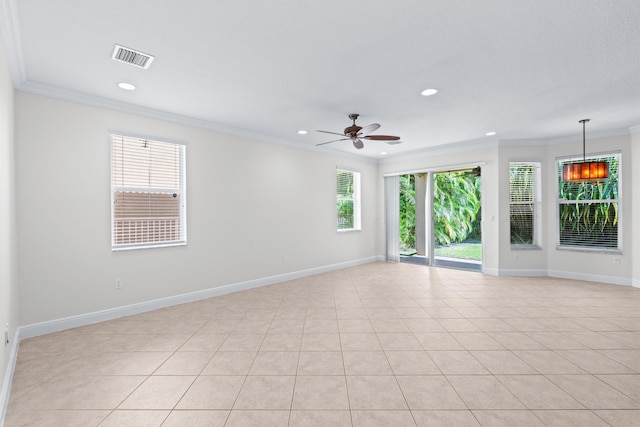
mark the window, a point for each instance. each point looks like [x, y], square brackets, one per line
[148, 206]
[525, 207]
[588, 212]
[348, 199]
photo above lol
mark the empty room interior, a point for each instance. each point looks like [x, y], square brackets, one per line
[345, 213]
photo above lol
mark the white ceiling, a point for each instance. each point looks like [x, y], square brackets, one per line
[523, 68]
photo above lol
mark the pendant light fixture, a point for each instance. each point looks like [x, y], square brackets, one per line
[584, 171]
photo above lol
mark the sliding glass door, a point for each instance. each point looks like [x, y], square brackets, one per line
[440, 218]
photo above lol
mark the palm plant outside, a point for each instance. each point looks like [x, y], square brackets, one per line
[456, 214]
[588, 211]
[521, 191]
[345, 191]
[407, 212]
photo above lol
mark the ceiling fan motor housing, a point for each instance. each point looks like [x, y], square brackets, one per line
[352, 131]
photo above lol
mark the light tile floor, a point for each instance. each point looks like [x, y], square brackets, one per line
[375, 345]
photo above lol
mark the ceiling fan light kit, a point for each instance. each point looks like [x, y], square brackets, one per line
[357, 133]
[585, 171]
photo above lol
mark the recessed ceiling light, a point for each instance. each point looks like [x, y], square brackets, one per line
[429, 92]
[490, 133]
[383, 153]
[126, 86]
[302, 132]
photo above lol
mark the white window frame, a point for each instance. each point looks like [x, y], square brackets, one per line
[181, 239]
[356, 198]
[536, 202]
[618, 201]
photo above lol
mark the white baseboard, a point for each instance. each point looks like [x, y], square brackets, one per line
[8, 377]
[522, 272]
[563, 275]
[57, 325]
[590, 277]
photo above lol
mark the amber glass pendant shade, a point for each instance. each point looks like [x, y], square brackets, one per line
[585, 171]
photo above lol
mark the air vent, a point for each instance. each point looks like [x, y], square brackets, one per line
[133, 57]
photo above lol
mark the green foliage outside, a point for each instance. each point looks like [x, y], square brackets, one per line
[456, 209]
[345, 214]
[456, 206]
[344, 182]
[407, 212]
[589, 211]
[521, 183]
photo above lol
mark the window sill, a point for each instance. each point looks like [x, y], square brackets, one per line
[589, 250]
[526, 248]
[349, 230]
[147, 246]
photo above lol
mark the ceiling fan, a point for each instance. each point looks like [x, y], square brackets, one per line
[356, 134]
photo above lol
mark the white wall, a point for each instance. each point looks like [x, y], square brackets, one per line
[8, 278]
[254, 210]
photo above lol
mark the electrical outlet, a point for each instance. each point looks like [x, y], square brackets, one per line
[118, 284]
[616, 260]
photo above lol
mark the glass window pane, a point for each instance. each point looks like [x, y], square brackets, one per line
[588, 211]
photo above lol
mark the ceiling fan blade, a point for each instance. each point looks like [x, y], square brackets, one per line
[368, 129]
[382, 137]
[335, 140]
[332, 133]
[358, 143]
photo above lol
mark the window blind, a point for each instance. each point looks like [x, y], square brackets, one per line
[148, 193]
[525, 207]
[588, 212]
[348, 199]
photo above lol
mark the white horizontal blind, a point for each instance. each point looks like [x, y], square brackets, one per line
[148, 193]
[525, 206]
[588, 212]
[348, 199]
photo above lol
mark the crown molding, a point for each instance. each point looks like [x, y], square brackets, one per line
[634, 129]
[608, 133]
[124, 107]
[522, 142]
[10, 30]
[456, 147]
